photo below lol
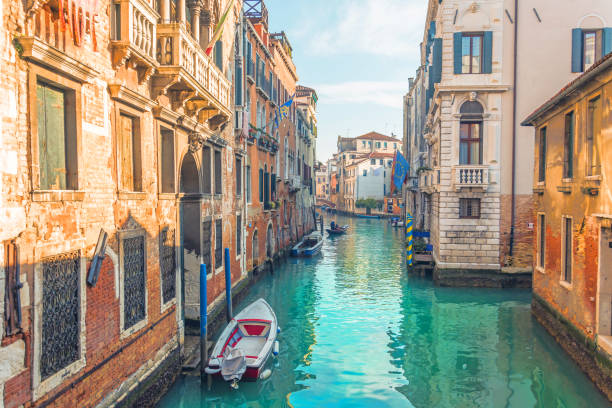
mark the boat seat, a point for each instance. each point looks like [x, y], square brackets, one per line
[252, 346]
[254, 328]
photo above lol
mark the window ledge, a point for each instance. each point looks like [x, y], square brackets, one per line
[167, 196]
[539, 189]
[57, 195]
[596, 178]
[135, 328]
[541, 270]
[131, 195]
[565, 285]
[565, 188]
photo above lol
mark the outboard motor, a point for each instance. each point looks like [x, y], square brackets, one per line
[233, 366]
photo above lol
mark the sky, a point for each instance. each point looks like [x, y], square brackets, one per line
[357, 55]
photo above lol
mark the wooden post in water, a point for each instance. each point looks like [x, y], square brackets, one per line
[321, 216]
[203, 322]
[409, 239]
[228, 285]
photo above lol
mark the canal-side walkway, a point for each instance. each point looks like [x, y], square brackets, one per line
[358, 331]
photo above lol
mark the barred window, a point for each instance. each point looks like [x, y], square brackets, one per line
[167, 259]
[469, 208]
[238, 234]
[61, 309]
[134, 281]
[218, 243]
[206, 245]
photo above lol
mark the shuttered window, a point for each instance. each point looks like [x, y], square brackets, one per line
[238, 176]
[218, 173]
[167, 161]
[248, 183]
[593, 136]
[207, 245]
[238, 234]
[238, 83]
[218, 243]
[589, 46]
[568, 150]
[567, 249]
[206, 170]
[219, 54]
[542, 156]
[261, 185]
[56, 138]
[473, 52]
[129, 154]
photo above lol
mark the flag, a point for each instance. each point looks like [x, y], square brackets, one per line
[399, 172]
[282, 113]
[219, 28]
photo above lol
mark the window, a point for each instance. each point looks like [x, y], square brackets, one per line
[129, 154]
[390, 163]
[57, 147]
[12, 312]
[567, 249]
[470, 134]
[206, 245]
[568, 149]
[218, 54]
[248, 183]
[365, 173]
[206, 170]
[238, 176]
[167, 161]
[218, 173]
[395, 146]
[541, 240]
[167, 260]
[61, 312]
[370, 143]
[255, 248]
[381, 162]
[373, 161]
[363, 143]
[378, 144]
[591, 40]
[218, 243]
[593, 136]
[238, 235]
[385, 145]
[469, 208]
[471, 54]
[134, 279]
[542, 156]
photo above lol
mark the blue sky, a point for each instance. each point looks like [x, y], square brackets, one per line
[358, 55]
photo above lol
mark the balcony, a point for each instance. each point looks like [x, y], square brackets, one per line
[471, 177]
[189, 78]
[134, 36]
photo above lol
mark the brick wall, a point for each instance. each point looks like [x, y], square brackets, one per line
[524, 230]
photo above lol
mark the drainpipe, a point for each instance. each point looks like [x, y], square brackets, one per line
[513, 212]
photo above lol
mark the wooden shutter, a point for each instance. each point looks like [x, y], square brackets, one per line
[238, 84]
[487, 52]
[577, 50]
[606, 41]
[126, 139]
[261, 185]
[51, 138]
[457, 38]
[437, 60]
[219, 55]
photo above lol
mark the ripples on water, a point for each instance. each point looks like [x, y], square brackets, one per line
[358, 332]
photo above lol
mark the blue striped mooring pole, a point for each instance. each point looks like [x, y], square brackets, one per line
[228, 285]
[409, 239]
[203, 322]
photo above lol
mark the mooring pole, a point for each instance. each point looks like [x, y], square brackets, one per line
[409, 239]
[228, 285]
[321, 216]
[203, 318]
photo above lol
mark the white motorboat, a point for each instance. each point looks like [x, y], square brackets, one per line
[246, 344]
[309, 246]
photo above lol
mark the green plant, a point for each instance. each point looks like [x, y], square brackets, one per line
[422, 169]
[272, 204]
[366, 203]
[18, 46]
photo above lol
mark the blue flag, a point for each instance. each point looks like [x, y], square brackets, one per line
[400, 171]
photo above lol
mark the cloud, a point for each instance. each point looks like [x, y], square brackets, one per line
[388, 94]
[379, 27]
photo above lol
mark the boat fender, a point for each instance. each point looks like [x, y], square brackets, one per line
[265, 374]
[209, 370]
[275, 349]
[278, 329]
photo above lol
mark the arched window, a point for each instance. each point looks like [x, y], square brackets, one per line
[470, 133]
[190, 181]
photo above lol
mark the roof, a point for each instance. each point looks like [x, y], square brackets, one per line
[567, 90]
[378, 136]
[381, 155]
[302, 90]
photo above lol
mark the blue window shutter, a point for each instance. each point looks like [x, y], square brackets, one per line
[457, 51]
[238, 84]
[437, 60]
[607, 41]
[432, 29]
[487, 52]
[576, 50]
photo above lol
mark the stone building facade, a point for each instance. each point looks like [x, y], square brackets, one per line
[572, 282]
[122, 169]
[474, 81]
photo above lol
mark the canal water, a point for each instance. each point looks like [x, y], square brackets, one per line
[357, 331]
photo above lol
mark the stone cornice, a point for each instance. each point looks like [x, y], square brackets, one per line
[471, 88]
[130, 97]
[36, 51]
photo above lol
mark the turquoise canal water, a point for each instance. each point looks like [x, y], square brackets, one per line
[357, 331]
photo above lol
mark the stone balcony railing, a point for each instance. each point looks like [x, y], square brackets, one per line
[133, 33]
[465, 176]
[189, 77]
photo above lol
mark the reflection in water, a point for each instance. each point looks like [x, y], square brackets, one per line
[357, 331]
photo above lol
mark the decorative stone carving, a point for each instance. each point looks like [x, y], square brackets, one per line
[195, 142]
[474, 8]
[473, 96]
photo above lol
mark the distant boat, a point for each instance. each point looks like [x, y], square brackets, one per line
[337, 230]
[309, 246]
[246, 344]
[367, 216]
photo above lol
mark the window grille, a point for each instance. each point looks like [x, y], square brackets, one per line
[167, 258]
[134, 281]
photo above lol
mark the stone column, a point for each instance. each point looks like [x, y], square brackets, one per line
[204, 28]
[165, 11]
[180, 11]
[196, 7]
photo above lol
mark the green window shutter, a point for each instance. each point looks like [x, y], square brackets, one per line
[607, 41]
[487, 52]
[457, 51]
[576, 50]
[238, 84]
[437, 60]
[219, 55]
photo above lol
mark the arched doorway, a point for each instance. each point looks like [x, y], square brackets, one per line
[191, 246]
